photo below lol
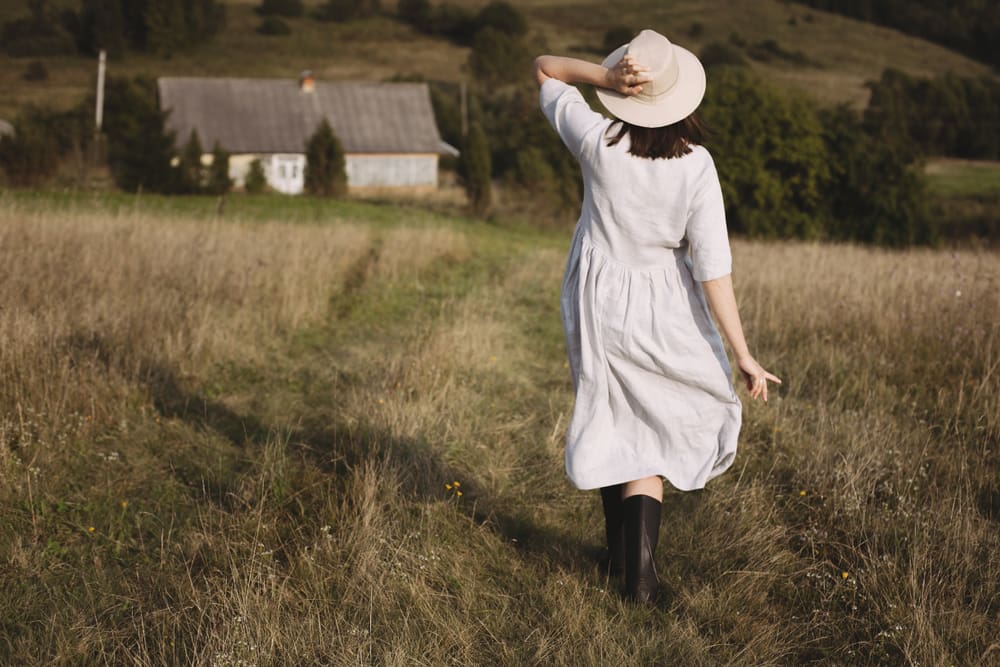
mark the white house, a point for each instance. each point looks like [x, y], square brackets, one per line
[388, 130]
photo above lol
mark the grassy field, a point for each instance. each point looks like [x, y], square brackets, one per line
[331, 433]
[842, 53]
[962, 178]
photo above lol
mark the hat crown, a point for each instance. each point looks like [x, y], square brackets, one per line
[675, 88]
[655, 51]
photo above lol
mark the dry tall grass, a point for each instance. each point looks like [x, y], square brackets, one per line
[235, 443]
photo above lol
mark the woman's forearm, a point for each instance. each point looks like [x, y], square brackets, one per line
[722, 300]
[570, 70]
[626, 77]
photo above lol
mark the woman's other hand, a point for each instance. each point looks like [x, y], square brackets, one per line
[756, 377]
[627, 76]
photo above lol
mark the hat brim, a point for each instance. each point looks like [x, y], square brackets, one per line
[676, 104]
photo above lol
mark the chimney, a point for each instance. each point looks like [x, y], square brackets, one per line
[307, 84]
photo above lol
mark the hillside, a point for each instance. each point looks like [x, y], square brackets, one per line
[314, 432]
[840, 54]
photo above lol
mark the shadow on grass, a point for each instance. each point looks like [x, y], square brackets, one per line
[338, 449]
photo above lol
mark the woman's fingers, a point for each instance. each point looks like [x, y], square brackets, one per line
[630, 75]
[757, 381]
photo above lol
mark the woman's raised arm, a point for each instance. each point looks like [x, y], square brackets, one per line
[626, 77]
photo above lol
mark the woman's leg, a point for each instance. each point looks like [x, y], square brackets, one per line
[614, 530]
[641, 510]
[647, 486]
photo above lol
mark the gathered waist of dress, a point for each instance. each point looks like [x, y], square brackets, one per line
[633, 256]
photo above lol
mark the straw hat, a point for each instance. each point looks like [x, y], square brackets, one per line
[676, 88]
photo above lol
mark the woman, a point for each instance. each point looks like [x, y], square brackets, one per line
[650, 255]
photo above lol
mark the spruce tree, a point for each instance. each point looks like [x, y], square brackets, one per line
[326, 166]
[165, 25]
[255, 181]
[191, 172]
[139, 147]
[477, 170]
[219, 182]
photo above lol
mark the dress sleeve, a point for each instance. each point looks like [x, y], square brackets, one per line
[706, 227]
[569, 114]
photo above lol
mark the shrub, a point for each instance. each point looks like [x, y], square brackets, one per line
[514, 124]
[616, 36]
[41, 139]
[769, 49]
[875, 195]
[167, 26]
[454, 22]
[502, 17]
[498, 58]
[947, 115]
[30, 155]
[255, 181]
[717, 53]
[288, 8]
[417, 13]
[347, 10]
[326, 168]
[771, 156]
[35, 71]
[273, 26]
[39, 34]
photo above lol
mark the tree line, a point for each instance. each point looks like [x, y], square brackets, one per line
[948, 115]
[156, 26]
[971, 27]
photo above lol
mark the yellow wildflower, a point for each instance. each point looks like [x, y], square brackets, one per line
[124, 504]
[802, 492]
[845, 575]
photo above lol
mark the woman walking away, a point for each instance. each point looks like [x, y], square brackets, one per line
[650, 254]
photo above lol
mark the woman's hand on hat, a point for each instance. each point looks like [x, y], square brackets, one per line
[756, 377]
[627, 76]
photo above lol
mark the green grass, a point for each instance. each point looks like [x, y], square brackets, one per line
[226, 440]
[963, 178]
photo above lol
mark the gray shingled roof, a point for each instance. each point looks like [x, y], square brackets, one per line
[275, 116]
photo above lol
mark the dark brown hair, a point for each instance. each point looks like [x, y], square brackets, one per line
[669, 141]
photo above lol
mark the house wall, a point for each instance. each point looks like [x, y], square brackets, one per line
[391, 170]
[286, 172]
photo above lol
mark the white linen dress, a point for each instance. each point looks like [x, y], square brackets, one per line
[654, 392]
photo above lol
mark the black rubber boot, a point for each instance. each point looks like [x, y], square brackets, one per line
[642, 531]
[613, 564]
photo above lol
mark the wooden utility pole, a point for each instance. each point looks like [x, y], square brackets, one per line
[101, 66]
[99, 110]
